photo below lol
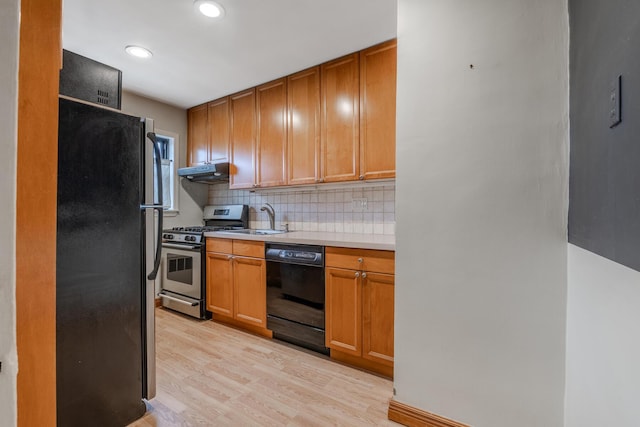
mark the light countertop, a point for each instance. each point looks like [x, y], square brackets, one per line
[384, 242]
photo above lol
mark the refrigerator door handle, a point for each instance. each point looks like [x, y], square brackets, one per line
[158, 207]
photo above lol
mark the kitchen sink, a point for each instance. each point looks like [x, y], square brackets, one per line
[254, 231]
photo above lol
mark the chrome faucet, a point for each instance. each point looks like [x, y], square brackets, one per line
[272, 214]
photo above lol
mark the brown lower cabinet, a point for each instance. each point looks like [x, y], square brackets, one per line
[236, 282]
[360, 307]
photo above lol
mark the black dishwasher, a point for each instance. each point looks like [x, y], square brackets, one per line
[295, 294]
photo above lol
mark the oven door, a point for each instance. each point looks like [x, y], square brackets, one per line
[181, 270]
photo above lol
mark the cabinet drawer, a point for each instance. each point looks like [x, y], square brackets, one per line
[361, 259]
[223, 246]
[248, 248]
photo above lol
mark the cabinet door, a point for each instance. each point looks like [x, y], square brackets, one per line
[219, 130]
[378, 111]
[197, 140]
[242, 139]
[340, 119]
[303, 147]
[271, 144]
[219, 284]
[250, 286]
[343, 310]
[377, 317]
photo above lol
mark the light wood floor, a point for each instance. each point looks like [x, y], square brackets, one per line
[213, 375]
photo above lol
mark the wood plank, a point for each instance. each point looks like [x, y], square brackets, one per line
[414, 417]
[218, 122]
[378, 317]
[248, 248]
[378, 111]
[343, 311]
[250, 290]
[211, 374]
[271, 139]
[303, 136]
[198, 137]
[40, 60]
[361, 259]
[242, 139]
[223, 246]
[340, 129]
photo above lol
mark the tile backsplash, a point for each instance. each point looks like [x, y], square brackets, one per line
[334, 210]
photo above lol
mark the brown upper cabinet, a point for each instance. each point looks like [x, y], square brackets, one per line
[303, 136]
[340, 119]
[197, 142]
[271, 143]
[378, 111]
[330, 123]
[242, 139]
[208, 139]
[218, 123]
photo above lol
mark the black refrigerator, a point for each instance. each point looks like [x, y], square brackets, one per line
[106, 254]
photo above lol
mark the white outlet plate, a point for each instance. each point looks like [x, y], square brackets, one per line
[359, 205]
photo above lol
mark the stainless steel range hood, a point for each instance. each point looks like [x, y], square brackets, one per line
[206, 174]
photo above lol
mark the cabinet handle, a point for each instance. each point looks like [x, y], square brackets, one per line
[360, 260]
[357, 274]
[364, 275]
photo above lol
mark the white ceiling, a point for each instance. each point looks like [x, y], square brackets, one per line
[196, 59]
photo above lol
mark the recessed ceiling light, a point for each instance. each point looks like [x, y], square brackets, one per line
[209, 8]
[138, 51]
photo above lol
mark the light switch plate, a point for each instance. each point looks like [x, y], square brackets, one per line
[615, 104]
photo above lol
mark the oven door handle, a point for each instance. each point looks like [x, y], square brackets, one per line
[179, 246]
[192, 304]
[157, 207]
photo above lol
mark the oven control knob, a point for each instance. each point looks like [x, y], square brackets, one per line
[170, 236]
[189, 238]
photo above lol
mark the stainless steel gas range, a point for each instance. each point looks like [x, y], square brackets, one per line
[183, 286]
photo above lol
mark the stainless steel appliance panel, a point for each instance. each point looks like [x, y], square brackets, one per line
[181, 271]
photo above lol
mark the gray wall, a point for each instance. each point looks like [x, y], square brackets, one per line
[481, 208]
[604, 209]
[9, 28]
[173, 119]
[603, 320]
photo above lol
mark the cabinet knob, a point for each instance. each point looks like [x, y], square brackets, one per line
[360, 260]
[229, 257]
[364, 275]
[361, 177]
[357, 274]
